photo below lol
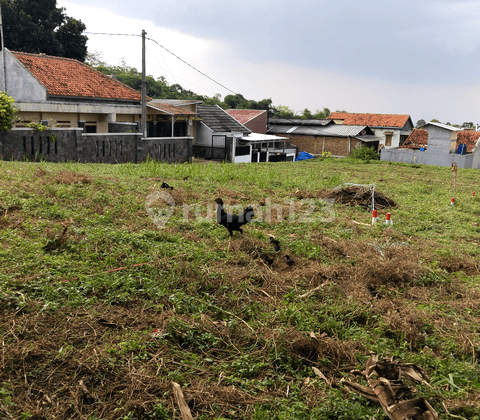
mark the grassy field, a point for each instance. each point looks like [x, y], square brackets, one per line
[112, 288]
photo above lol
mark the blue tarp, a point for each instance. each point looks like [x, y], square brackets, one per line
[303, 156]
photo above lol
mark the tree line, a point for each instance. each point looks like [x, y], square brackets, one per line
[159, 88]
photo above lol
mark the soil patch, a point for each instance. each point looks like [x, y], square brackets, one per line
[359, 196]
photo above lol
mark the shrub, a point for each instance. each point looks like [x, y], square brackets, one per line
[365, 153]
[7, 111]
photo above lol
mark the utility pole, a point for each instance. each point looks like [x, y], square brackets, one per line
[144, 89]
[3, 50]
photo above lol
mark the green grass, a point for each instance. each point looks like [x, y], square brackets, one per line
[98, 322]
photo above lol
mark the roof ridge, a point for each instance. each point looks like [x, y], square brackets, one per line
[43, 55]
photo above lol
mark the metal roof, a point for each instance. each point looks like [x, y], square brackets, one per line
[445, 126]
[333, 130]
[368, 139]
[343, 130]
[298, 121]
[177, 102]
[256, 137]
[217, 120]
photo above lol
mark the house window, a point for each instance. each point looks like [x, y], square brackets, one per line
[180, 129]
[63, 124]
[90, 129]
[388, 139]
[22, 124]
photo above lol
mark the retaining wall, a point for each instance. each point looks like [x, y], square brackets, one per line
[71, 144]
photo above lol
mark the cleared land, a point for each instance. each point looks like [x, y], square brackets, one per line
[103, 308]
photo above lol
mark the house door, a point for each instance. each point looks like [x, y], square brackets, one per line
[219, 147]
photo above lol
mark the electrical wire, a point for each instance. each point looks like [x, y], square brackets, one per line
[194, 68]
[170, 52]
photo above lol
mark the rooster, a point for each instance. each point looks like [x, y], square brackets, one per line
[232, 222]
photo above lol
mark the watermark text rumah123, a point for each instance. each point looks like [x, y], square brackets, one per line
[160, 207]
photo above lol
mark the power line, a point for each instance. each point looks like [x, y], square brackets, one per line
[194, 68]
[105, 33]
[176, 56]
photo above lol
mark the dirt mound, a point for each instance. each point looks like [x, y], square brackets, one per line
[359, 196]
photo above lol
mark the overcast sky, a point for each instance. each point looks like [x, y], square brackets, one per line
[381, 56]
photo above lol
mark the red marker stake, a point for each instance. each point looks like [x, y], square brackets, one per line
[388, 221]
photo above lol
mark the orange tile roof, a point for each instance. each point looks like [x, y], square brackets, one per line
[469, 138]
[68, 77]
[372, 120]
[245, 115]
[171, 109]
[418, 138]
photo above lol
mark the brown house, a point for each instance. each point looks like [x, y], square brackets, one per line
[65, 93]
[392, 129]
[319, 136]
[255, 120]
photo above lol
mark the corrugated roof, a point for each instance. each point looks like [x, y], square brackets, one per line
[299, 121]
[469, 138]
[169, 108]
[177, 102]
[372, 120]
[244, 115]
[445, 126]
[334, 130]
[71, 78]
[343, 130]
[217, 120]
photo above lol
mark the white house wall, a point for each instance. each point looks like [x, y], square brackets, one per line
[204, 135]
[440, 140]
[380, 132]
[21, 84]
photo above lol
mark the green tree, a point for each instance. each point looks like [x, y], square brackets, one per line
[322, 115]
[7, 112]
[420, 123]
[39, 26]
[307, 115]
[283, 111]
[434, 120]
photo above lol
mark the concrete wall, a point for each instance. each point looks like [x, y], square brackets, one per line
[21, 84]
[60, 145]
[175, 149]
[440, 140]
[429, 157]
[204, 135]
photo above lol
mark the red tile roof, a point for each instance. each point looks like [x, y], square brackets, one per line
[418, 138]
[68, 77]
[171, 109]
[245, 115]
[372, 120]
[469, 138]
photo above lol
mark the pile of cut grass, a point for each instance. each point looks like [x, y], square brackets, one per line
[102, 309]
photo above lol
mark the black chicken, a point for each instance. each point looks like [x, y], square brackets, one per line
[275, 243]
[289, 261]
[232, 221]
[165, 185]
